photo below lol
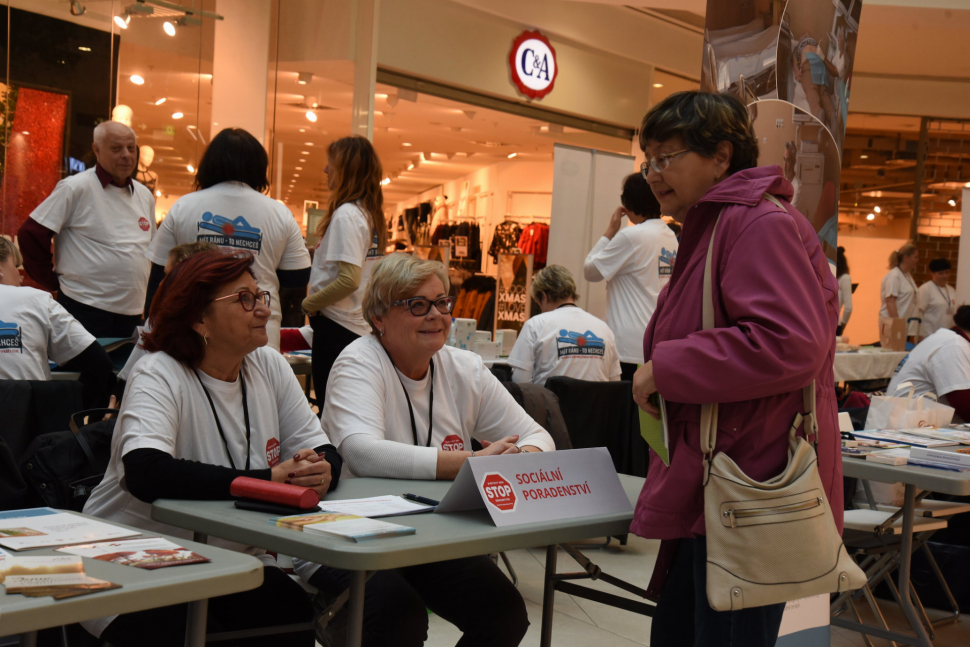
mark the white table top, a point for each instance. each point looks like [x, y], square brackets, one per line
[439, 537]
[227, 572]
[875, 364]
[925, 478]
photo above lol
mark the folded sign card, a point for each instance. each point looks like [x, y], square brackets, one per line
[530, 487]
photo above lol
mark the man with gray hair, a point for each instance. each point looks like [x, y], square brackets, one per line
[101, 222]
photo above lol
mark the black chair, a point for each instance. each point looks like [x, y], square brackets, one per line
[31, 408]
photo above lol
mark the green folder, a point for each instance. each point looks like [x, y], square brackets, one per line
[653, 431]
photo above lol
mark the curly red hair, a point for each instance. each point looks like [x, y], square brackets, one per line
[182, 299]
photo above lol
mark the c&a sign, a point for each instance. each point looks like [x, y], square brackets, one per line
[532, 63]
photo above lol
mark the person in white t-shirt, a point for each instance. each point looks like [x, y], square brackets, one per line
[101, 222]
[35, 328]
[636, 263]
[564, 340]
[353, 236]
[940, 364]
[402, 405]
[936, 300]
[898, 289]
[231, 211]
[845, 289]
[209, 404]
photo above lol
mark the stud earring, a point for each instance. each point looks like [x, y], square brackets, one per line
[382, 332]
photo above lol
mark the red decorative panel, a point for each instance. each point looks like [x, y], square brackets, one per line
[33, 161]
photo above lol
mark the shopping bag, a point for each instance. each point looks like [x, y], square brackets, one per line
[892, 334]
[907, 412]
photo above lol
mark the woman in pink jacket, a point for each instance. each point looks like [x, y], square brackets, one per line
[776, 310]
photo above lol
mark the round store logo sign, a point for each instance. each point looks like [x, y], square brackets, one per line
[532, 62]
[498, 491]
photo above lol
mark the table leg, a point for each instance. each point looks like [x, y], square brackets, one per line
[548, 596]
[905, 560]
[195, 625]
[28, 639]
[355, 619]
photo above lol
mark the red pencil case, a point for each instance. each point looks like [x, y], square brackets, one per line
[291, 495]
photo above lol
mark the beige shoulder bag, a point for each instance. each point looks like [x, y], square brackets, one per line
[772, 541]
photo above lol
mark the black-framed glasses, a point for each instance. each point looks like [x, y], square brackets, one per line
[660, 162]
[247, 299]
[420, 306]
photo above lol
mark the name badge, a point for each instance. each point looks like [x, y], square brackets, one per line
[538, 486]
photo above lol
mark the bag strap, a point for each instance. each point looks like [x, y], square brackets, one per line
[75, 430]
[709, 411]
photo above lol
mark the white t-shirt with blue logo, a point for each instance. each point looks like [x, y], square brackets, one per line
[33, 328]
[568, 342]
[348, 239]
[939, 364]
[636, 264]
[236, 218]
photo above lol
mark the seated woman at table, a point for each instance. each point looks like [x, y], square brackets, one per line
[402, 405]
[940, 364]
[211, 403]
[36, 328]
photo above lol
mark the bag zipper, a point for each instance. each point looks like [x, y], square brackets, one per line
[747, 513]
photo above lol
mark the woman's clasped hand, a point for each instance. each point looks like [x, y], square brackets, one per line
[306, 469]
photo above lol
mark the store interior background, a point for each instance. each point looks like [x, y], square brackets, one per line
[476, 142]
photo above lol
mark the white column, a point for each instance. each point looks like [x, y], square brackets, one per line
[963, 260]
[365, 68]
[240, 67]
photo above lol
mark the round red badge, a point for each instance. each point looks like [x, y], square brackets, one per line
[273, 452]
[144, 224]
[498, 492]
[452, 443]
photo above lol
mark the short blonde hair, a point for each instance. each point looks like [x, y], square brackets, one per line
[9, 250]
[394, 277]
[554, 281]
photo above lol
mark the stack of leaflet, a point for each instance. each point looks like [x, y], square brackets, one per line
[920, 457]
[56, 576]
[46, 527]
[149, 554]
[344, 526]
[909, 437]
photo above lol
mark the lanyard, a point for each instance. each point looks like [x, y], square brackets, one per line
[414, 426]
[945, 295]
[222, 434]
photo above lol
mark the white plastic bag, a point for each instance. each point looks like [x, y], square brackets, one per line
[890, 412]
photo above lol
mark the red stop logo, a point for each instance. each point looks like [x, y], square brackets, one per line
[452, 443]
[499, 492]
[273, 452]
[144, 224]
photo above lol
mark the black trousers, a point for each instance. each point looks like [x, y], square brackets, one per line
[684, 618]
[329, 339]
[100, 323]
[627, 370]
[471, 593]
[279, 601]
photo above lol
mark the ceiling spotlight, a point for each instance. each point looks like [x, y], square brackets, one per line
[302, 160]
[967, 185]
[158, 193]
[122, 21]
[406, 144]
[84, 49]
[77, 9]
[169, 28]
[871, 217]
[308, 143]
[385, 181]
[863, 157]
[411, 166]
[177, 115]
[877, 209]
[311, 116]
[190, 168]
[302, 130]
[511, 155]
[304, 77]
[24, 132]
[136, 79]
[304, 152]
[161, 101]
[952, 202]
[658, 85]
[299, 168]
[296, 175]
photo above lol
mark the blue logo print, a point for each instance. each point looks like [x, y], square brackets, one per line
[224, 232]
[667, 259]
[11, 340]
[574, 344]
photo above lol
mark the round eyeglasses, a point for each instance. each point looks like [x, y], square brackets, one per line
[420, 306]
[248, 299]
[660, 163]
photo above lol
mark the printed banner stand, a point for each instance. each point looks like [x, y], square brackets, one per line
[805, 623]
[512, 301]
[530, 487]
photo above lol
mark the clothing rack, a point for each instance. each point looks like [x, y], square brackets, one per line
[510, 216]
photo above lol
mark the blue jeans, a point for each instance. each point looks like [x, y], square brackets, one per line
[684, 618]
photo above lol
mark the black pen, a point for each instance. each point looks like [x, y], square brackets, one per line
[420, 499]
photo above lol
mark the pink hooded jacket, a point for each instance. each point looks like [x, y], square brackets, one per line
[776, 310]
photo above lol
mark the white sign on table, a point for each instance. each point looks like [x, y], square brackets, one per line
[538, 486]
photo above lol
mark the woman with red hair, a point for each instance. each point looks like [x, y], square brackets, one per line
[208, 404]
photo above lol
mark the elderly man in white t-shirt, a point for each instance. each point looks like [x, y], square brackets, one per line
[564, 340]
[101, 222]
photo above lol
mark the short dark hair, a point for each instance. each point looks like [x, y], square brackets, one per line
[182, 299]
[962, 318]
[233, 156]
[704, 120]
[637, 196]
[940, 265]
[841, 263]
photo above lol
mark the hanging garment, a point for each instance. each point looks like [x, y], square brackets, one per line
[505, 239]
[535, 240]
